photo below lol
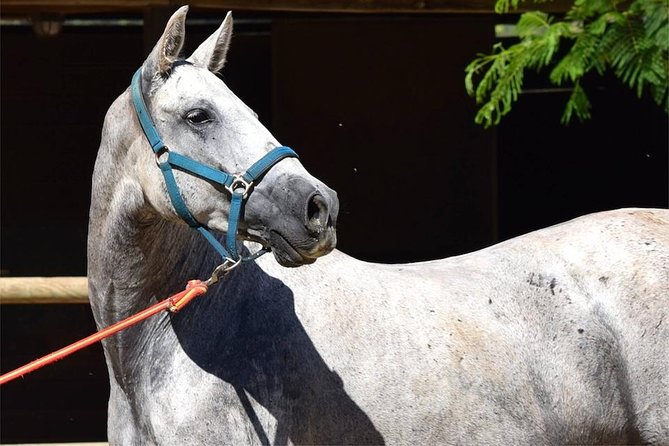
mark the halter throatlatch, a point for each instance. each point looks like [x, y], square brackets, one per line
[238, 185]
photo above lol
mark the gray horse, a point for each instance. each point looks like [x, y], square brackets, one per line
[555, 337]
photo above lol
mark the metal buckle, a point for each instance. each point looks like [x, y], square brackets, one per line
[222, 269]
[162, 152]
[238, 182]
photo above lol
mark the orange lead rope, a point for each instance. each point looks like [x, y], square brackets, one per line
[173, 303]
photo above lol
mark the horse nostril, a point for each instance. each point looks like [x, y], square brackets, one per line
[318, 215]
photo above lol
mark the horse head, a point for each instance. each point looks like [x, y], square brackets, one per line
[197, 116]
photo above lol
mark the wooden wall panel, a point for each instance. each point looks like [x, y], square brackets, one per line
[22, 7]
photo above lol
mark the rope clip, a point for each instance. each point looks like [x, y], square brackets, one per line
[222, 269]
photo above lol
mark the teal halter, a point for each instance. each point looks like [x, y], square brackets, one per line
[239, 185]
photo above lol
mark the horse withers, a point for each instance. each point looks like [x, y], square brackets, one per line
[555, 337]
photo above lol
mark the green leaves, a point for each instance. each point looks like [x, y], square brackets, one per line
[578, 104]
[503, 70]
[599, 35]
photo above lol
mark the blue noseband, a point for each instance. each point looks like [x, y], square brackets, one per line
[239, 186]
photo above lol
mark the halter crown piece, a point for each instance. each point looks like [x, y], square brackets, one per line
[239, 185]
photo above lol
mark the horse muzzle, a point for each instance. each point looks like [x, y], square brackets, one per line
[298, 219]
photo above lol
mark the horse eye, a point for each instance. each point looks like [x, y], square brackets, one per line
[198, 116]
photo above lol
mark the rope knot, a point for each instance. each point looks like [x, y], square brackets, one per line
[194, 288]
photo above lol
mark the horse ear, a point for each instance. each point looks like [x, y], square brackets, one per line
[211, 53]
[167, 49]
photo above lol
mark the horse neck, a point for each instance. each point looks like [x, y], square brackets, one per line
[134, 255]
[137, 258]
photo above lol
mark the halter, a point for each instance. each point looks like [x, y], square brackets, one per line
[238, 185]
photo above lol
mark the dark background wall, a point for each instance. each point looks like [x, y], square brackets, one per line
[375, 106]
[378, 108]
[549, 172]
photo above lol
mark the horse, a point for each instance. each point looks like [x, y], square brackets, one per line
[554, 337]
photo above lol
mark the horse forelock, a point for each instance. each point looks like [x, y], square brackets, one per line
[158, 79]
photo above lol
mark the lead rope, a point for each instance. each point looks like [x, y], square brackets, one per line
[173, 304]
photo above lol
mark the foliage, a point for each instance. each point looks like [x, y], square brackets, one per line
[629, 38]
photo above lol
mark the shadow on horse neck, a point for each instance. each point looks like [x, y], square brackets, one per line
[248, 335]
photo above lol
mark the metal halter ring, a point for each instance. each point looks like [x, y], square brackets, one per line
[160, 153]
[238, 182]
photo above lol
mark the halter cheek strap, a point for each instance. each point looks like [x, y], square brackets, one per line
[239, 186]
